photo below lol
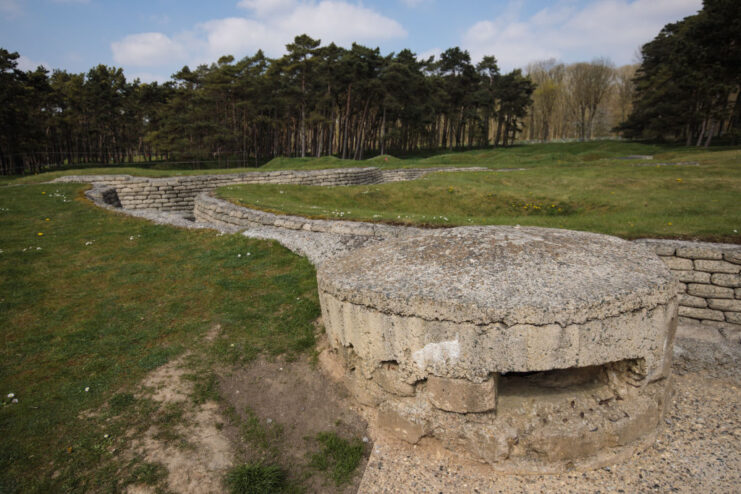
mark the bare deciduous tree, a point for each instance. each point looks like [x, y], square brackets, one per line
[588, 85]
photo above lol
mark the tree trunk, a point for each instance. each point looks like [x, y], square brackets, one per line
[383, 132]
[347, 123]
[711, 131]
[702, 132]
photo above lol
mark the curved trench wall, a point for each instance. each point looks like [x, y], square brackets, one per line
[709, 273]
[177, 194]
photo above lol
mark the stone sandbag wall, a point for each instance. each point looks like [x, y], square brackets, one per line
[209, 209]
[177, 194]
[710, 276]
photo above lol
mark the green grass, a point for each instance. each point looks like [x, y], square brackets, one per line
[561, 188]
[517, 156]
[114, 170]
[256, 479]
[338, 456]
[100, 299]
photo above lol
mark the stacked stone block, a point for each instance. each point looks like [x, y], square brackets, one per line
[710, 279]
[209, 209]
[177, 194]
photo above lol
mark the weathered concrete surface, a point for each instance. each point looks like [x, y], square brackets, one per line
[469, 301]
[458, 315]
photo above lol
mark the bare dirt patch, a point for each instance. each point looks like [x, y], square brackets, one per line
[271, 412]
[193, 448]
[293, 401]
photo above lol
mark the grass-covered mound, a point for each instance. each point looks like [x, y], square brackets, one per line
[561, 188]
[523, 155]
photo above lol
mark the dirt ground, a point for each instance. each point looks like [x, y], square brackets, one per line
[302, 402]
[287, 404]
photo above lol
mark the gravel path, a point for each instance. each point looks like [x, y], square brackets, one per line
[316, 246]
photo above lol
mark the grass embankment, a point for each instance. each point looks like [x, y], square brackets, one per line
[530, 155]
[565, 186]
[518, 156]
[112, 170]
[90, 301]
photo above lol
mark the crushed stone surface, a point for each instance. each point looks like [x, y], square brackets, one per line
[318, 247]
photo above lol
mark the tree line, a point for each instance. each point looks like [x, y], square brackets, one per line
[313, 101]
[581, 101]
[327, 100]
[687, 87]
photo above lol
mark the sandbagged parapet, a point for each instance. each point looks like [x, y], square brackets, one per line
[531, 349]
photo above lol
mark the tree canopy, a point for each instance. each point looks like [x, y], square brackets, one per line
[315, 100]
[687, 86]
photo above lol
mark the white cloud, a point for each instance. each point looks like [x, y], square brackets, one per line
[25, 63]
[609, 28]
[147, 49]
[432, 52]
[272, 25]
[239, 36]
[340, 22]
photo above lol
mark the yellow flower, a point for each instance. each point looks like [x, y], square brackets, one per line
[43, 192]
[670, 223]
[40, 234]
[679, 180]
[47, 219]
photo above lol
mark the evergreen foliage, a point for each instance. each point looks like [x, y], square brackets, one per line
[314, 101]
[687, 86]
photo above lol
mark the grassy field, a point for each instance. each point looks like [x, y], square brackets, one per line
[570, 186]
[519, 156]
[90, 301]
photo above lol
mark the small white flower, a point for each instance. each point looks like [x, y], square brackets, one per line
[131, 237]
[239, 255]
[270, 421]
[38, 248]
[365, 439]
[232, 345]
[11, 395]
[249, 254]
[87, 388]
[89, 242]
[105, 436]
[14, 400]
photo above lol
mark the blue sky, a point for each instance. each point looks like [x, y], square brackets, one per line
[153, 39]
